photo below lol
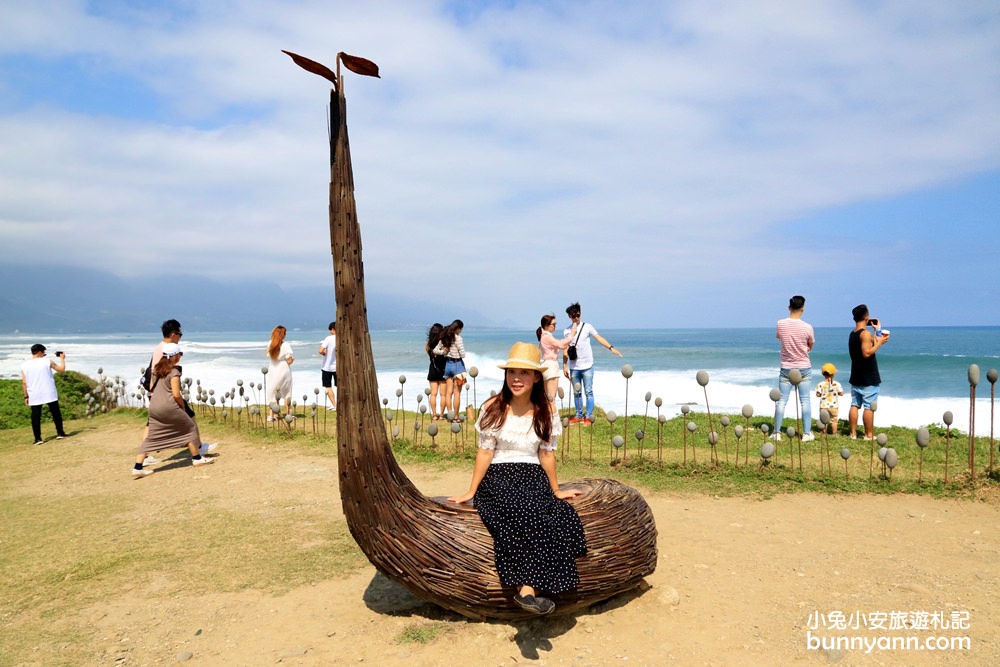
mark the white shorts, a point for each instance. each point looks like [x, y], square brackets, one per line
[551, 371]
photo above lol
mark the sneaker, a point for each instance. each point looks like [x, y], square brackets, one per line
[61, 436]
[331, 409]
[587, 422]
[272, 418]
[207, 447]
[136, 474]
[536, 605]
[775, 436]
[38, 442]
[202, 461]
[150, 461]
[575, 420]
[808, 437]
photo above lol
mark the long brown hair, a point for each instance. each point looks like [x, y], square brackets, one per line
[163, 366]
[495, 414]
[449, 333]
[546, 321]
[277, 338]
[434, 335]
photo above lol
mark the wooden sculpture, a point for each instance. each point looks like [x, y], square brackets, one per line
[439, 551]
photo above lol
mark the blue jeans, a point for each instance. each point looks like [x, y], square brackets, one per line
[585, 379]
[805, 400]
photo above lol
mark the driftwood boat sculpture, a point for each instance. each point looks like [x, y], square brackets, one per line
[439, 551]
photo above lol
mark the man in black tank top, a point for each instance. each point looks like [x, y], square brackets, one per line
[865, 379]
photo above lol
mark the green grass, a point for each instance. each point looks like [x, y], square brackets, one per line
[73, 388]
[422, 633]
[661, 463]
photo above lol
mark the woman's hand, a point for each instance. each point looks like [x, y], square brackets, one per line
[567, 494]
[464, 498]
[289, 359]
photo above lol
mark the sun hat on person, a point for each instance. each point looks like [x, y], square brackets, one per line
[829, 369]
[171, 350]
[523, 355]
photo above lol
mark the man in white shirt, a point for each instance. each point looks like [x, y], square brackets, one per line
[580, 370]
[171, 330]
[328, 350]
[40, 389]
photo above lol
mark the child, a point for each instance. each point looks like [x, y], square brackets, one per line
[828, 391]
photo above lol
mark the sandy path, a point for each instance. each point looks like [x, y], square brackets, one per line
[737, 583]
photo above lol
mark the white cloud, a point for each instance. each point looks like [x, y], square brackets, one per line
[522, 157]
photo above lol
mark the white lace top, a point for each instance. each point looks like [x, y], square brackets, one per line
[516, 441]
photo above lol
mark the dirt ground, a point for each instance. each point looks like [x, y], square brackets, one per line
[739, 582]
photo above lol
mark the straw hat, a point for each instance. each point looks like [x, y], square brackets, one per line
[523, 355]
[829, 369]
[171, 350]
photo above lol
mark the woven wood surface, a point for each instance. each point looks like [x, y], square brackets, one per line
[438, 551]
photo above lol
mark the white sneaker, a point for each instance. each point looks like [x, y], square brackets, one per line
[207, 447]
[808, 437]
[141, 473]
[331, 409]
[202, 461]
[150, 461]
[775, 436]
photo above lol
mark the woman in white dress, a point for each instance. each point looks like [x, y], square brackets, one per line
[279, 374]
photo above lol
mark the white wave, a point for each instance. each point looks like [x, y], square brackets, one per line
[218, 364]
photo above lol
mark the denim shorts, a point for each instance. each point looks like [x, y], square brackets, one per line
[864, 396]
[453, 367]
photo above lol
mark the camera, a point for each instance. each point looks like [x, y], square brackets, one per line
[873, 322]
[60, 353]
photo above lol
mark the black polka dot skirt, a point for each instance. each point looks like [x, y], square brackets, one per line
[536, 537]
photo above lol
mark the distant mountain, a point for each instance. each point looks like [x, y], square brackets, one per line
[61, 299]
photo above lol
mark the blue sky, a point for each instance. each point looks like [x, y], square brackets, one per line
[664, 163]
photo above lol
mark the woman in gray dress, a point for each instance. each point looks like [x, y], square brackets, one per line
[170, 426]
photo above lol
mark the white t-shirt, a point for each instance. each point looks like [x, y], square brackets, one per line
[157, 354]
[330, 360]
[584, 353]
[39, 381]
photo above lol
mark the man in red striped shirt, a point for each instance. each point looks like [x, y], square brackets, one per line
[797, 339]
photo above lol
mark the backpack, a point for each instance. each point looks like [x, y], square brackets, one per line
[147, 376]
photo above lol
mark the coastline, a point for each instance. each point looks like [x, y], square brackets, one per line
[741, 363]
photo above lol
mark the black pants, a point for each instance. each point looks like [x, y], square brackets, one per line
[36, 419]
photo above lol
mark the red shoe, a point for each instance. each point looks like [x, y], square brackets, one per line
[587, 422]
[575, 420]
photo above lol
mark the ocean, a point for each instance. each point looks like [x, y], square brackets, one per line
[924, 369]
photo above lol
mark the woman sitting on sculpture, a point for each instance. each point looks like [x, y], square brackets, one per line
[537, 535]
